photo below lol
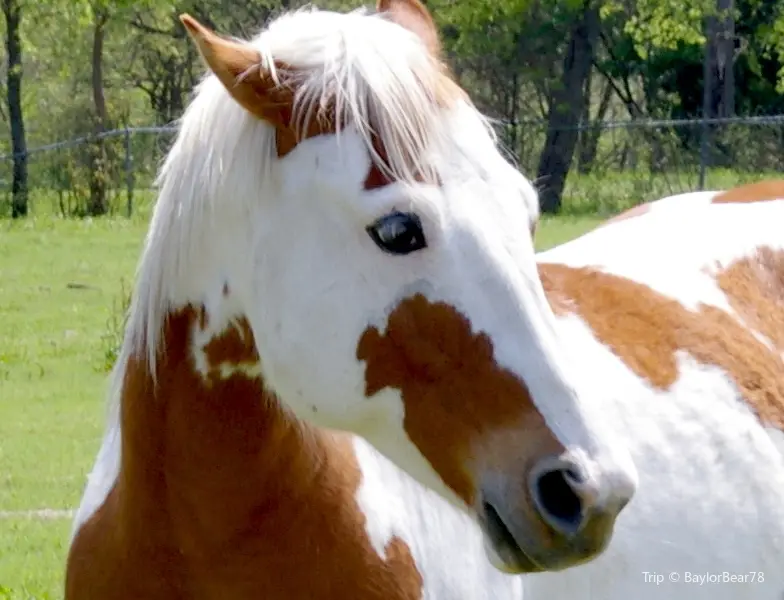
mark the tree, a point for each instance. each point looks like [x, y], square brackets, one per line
[99, 204]
[12, 11]
[101, 14]
[166, 65]
[719, 93]
[566, 108]
[538, 68]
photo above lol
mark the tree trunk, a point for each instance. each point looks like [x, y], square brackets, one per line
[512, 130]
[589, 138]
[721, 45]
[12, 12]
[566, 106]
[99, 204]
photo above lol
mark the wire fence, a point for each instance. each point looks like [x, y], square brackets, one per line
[615, 164]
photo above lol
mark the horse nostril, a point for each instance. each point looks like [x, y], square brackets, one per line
[556, 492]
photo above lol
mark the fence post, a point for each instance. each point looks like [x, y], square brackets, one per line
[128, 170]
[707, 112]
[705, 135]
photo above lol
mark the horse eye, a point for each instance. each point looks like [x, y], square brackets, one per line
[398, 233]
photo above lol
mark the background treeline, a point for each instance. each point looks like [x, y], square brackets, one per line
[555, 74]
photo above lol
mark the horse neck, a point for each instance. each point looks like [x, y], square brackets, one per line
[205, 443]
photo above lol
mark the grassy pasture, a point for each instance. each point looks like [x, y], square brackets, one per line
[61, 285]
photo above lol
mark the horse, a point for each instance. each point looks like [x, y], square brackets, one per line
[677, 308]
[338, 245]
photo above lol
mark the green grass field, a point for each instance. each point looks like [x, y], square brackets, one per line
[61, 285]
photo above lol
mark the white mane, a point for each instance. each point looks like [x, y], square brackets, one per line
[376, 74]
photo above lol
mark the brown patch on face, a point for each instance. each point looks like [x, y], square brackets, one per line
[378, 177]
[223, 494]
[761, 191]
[635, 211]
[645, 329]
[459, 403]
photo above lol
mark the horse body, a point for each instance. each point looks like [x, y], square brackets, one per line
[678, 314]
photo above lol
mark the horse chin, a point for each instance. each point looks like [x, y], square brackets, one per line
[517, 563]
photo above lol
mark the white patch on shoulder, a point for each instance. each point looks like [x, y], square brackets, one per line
[387, 407]
[445, 543]
[373, 493]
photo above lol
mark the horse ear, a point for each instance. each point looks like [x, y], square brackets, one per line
[239, 67]
[414, 16]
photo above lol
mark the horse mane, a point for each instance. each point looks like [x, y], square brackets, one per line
[371, 72]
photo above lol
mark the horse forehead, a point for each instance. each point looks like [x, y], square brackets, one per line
[447, 95]
[647, 329]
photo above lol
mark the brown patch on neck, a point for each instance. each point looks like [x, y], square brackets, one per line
[223, 494]
[645, 329]
[235, 346]
[761, 191]
[457, 399]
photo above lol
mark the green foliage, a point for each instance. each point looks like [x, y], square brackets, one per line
[664, 24]
[52, 393]
[115, 328]
[771, 39]
[509, 55]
